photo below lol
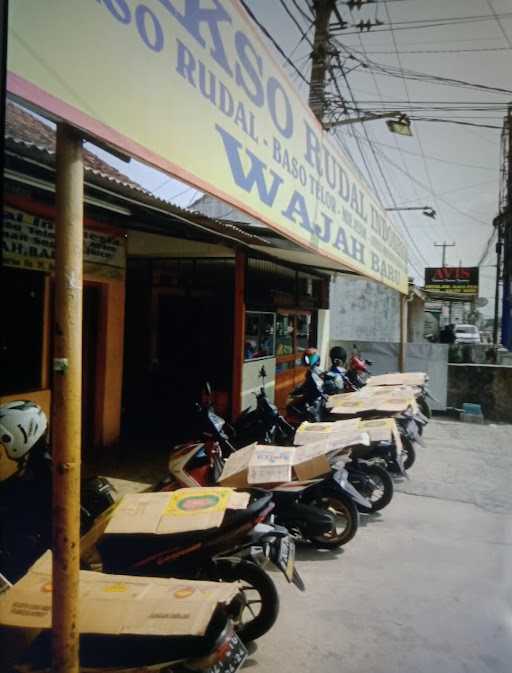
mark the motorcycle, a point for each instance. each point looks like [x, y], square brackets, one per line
[219, 650]
[265, 425]
[227, 553]
[357, 370]
[309, 403]
[201, 463]
[25, 507]
[25, 534]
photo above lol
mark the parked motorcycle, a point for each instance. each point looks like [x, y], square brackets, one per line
[201, 463]
[227, 553]
[26, 494]
[265, 425]
[25, 534]
[358, 372]
[358, 368]
[218, 650]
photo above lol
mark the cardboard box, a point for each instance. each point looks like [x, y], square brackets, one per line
[367, 400]
[382, 430]
[261, 464]
[186, 509]
[117, 604]
[398, 379]
[339, 436]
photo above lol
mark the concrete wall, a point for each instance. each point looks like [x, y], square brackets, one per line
[363, 310]
[416, 320]
[422, 357]
[487, 385]
[251, 382]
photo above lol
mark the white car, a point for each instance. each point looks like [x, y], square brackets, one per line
[467, 334]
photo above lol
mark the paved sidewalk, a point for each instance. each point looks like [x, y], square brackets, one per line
[426, 586]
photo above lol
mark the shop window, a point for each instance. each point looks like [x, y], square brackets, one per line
[293, 336]
[285, 334]
[259, 335]
[21, 336]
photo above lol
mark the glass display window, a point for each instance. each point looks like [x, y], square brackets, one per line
[260, 335]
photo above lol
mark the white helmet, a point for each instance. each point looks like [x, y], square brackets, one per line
[22, 424]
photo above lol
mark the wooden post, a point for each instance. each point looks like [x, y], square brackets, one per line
[67, 399]
[238, 333]
[404, 305]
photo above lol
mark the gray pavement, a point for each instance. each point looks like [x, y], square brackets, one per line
[426, 586]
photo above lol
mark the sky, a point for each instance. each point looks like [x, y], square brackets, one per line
[451, 168]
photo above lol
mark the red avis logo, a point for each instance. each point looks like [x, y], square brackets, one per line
[452, 273]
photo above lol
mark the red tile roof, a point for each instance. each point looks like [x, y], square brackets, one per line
[25, 129]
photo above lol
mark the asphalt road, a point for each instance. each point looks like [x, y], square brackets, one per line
[426, 586]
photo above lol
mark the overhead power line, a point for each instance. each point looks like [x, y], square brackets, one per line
[274, 42]
[500, 25]
[442, 51]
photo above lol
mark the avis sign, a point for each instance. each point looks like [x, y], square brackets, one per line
[189, 87]
[452, 280]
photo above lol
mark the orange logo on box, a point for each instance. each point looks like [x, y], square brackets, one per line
[183, 593]
[117, 587]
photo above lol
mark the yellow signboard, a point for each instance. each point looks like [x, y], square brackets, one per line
[189, 87]
[28, 242]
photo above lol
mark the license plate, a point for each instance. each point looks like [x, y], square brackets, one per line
[412, 429]
[284, 557]
[233, 658]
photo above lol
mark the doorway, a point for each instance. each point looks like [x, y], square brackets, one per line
[179, 334]
[91, 337]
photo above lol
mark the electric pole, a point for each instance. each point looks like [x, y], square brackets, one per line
[506, 232]
[444, 245]
[499, 247]
[320, 56]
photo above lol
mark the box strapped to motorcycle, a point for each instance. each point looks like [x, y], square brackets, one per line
[182, 511]
[270, 465]
[398, 379]
[339, 436]
[117, 604]
[373, 400]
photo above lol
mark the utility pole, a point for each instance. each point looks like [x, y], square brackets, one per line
[320, 56]
[444, 245]
[506, 314]
[67, 399]
[499, 247]
[4, 14]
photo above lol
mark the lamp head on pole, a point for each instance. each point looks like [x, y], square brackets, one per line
[402, 125]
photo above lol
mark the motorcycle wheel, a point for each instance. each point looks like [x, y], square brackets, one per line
[257, 609]
[347, 519]
[383, 492]
[424, 406]
[410, 453]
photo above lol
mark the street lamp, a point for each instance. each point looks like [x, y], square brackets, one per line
[426, 210]
[402, 125]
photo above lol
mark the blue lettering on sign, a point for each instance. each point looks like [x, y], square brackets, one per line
[256, 175]
[245, 85]
[194, 18]
[154, 41]
[119, 9]
[285, 129]
[243, 46]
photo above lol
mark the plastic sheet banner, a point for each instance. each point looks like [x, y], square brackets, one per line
[190, 88]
